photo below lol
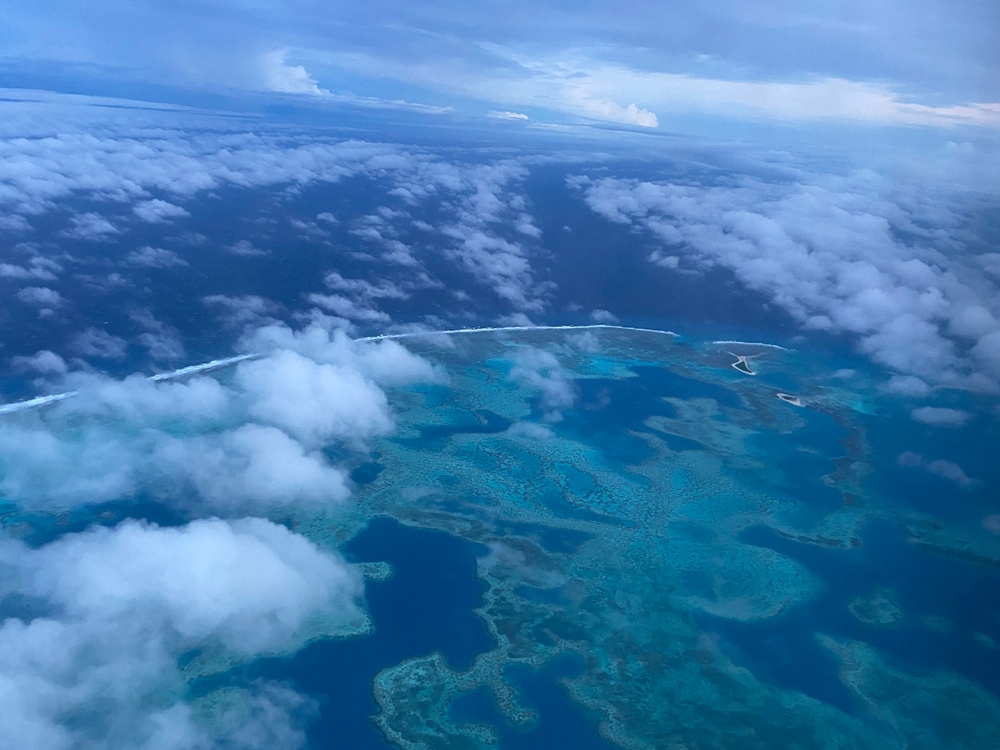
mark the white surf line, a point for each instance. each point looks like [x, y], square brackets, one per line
[742, 360]
[458, 331]
[31, 403]
[752, 343]
[217, 364]
[790, 399]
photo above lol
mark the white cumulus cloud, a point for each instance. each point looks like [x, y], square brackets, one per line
[115, 608]
[288, 79]
[157, 211]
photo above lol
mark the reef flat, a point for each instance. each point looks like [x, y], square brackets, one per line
[649, 511]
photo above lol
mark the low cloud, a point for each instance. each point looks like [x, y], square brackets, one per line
[485, 223]
[531, 430]
[506, 115]
[384, 362]
[380, 289]
[162, 341]
[91, 227]
[38, 267]
[940, 416]
[539, 371]
[838, 255]
[245, 249]
[40, 296]
[96, 342]
[43, 362]
[603, 109]
[254, 444]
[238, 312]
[314, 402]
[157, 211]
[154, 257]
[939, 467]
[347, 308]
[114, 609]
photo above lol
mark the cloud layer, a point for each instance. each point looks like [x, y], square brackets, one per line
[96, 666]
[250, 446]
[94, 623]
[874, 63]
[841, 254]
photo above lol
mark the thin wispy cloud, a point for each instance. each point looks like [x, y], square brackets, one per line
[931, 64]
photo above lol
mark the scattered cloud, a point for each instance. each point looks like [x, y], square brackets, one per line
[486, 225]
[288, 79]
[96, 342]
[40, 296]
[43, 362]
[157, 211]
[540, 371]
[939, 467]
[154, 257]
[384, 362]
[940, 416]
[841, 254]
[38, 267]
[237, 312]
[585, 341]
[347, 308]
[245, 249]
[906, 385]
[91, 227]
[506, 115]
[531, 430]
[381, 289]
[516, 319]
[163, 341]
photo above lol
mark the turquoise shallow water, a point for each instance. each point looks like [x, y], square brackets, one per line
[671, 556]
[732, 562]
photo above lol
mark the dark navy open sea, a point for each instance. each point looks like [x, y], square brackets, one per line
[425, 607]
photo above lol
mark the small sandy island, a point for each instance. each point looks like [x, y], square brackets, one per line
[787, 398]
[742, 365]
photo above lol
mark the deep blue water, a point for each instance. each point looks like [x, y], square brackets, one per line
[972, 447]
[425, 607]
[562, 723]
[478, 422]
[552, 539]
[578, 240]
[45, 527]
[609, 409]
[783, 650]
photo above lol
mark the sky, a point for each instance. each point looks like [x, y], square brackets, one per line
[181, 181]
[647, 64]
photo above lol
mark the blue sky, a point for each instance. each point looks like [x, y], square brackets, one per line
[646, 64]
